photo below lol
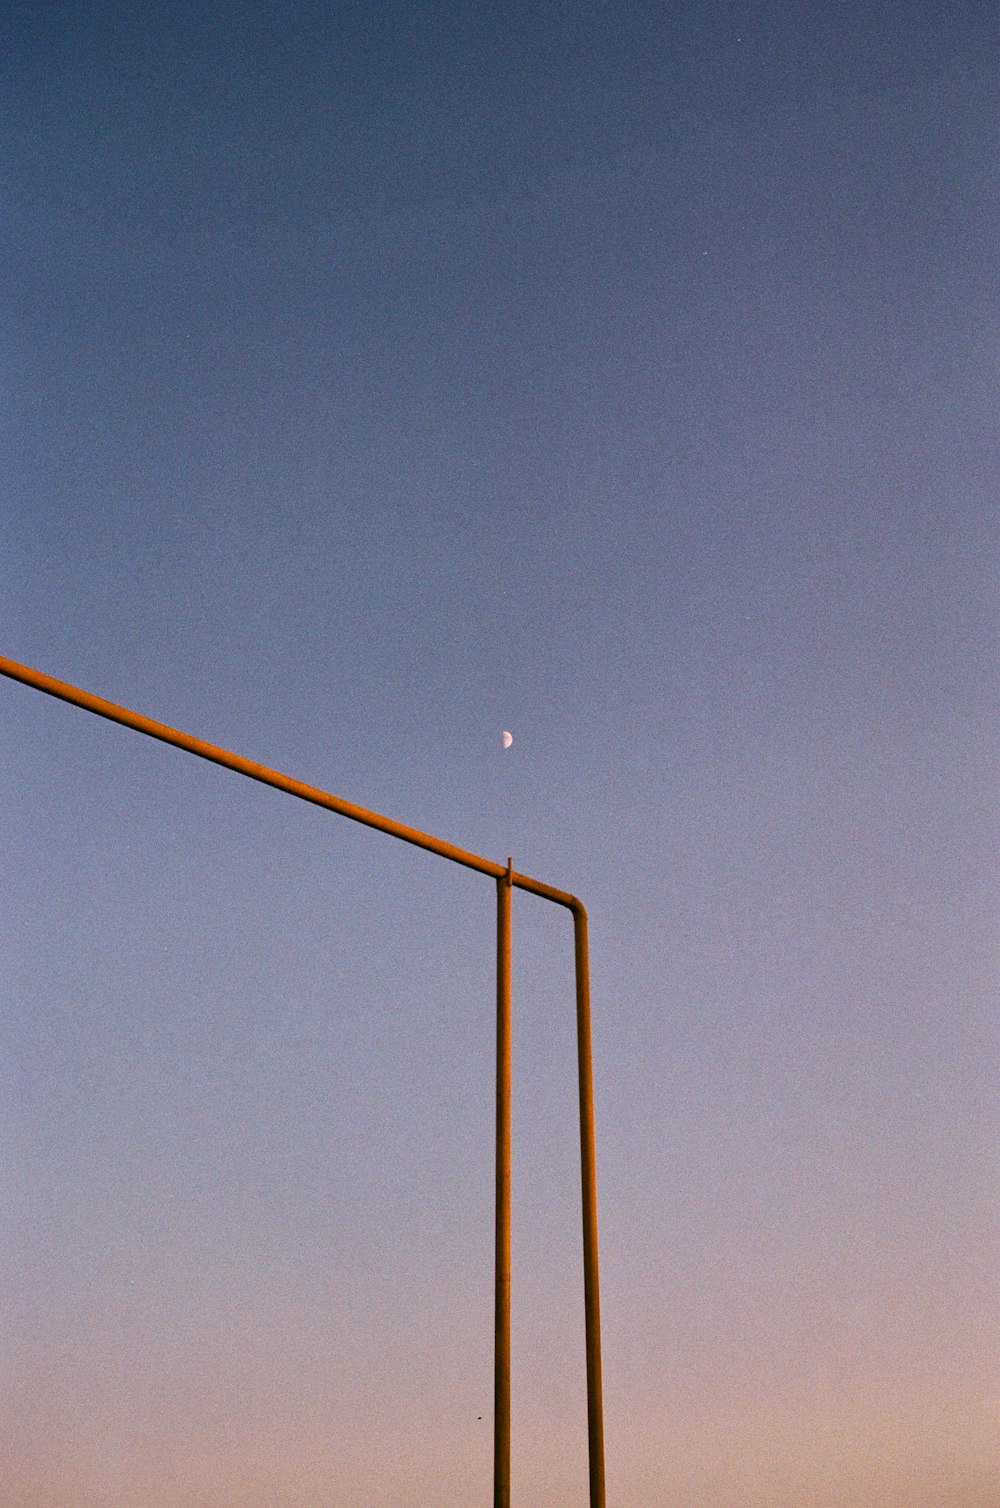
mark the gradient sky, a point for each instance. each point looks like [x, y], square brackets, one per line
[380, 377]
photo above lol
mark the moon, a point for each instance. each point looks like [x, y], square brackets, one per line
[508, 739]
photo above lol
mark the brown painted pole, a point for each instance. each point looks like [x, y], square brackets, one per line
[501, 1311]
[248, 767]
[588, 1169]
[506, 879]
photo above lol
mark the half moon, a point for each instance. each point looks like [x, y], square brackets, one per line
[508, 739]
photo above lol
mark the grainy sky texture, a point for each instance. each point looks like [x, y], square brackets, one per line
[381, 377]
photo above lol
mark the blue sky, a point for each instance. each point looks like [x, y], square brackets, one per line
[380, 378]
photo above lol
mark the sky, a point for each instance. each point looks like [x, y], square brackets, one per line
[378, 378]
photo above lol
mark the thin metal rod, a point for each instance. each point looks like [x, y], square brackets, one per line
[197, 746]
[588, 1168]
[191, 745]
[501, 1309]
[506, 879]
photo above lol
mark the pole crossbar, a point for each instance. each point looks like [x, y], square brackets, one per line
[254, 771]
[507, 878]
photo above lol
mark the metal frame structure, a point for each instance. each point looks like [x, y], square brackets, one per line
[507, 880]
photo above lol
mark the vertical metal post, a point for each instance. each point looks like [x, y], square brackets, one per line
[591, 1288]
[501, 1344]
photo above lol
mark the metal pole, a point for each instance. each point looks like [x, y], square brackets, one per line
[506, 879]
[588, 1169]
[501, 1341]
[254, 771]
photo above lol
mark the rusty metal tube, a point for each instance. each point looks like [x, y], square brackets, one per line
[248, 767]
[588, 1171]
[507, 879]
[501, 1309]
